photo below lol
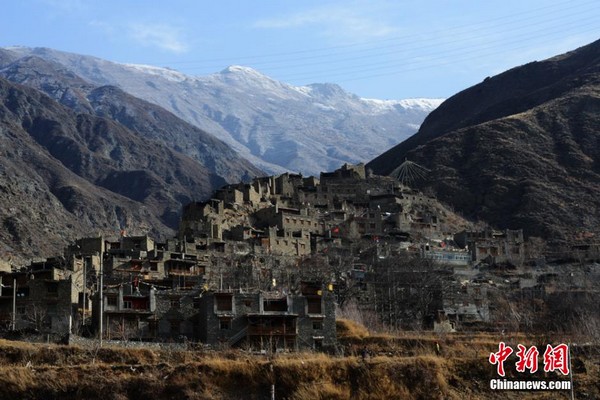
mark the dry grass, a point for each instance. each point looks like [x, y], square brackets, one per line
[349, 329]
[400, 366]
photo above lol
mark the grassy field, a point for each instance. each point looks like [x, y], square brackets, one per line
[400, 366]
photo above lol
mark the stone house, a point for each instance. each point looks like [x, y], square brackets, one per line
[230, 194]
[465, 304]
[446, 255]
[289, 219]
[370, 222]
[493, 247]
[286, 184]
[46, 300]
[281, 242]
[389, 202]
[269, 321]
[204, 219]
[137, 310]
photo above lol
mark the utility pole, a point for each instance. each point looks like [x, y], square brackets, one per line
[101, 297]
[571, 373]
[14, 316]
[84, 285]
[272, 381]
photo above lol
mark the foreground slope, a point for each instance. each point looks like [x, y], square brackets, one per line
[520, 149]
[276, 126]
[402, 366]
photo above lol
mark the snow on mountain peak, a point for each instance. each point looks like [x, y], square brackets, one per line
[381, 106]
[241, 73]
[240, 69]
[277, 125]
[167, 73]
[246, 78]
[328, 90]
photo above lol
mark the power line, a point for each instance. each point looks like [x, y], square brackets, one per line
[396, 49]
[311, 54]
[428, 59]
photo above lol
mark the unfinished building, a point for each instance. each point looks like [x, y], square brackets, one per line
[269, 321]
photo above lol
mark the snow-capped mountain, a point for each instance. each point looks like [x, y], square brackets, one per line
[274, 125]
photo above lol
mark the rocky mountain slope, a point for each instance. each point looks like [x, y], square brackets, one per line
[146, 119]
[276, 126]
[65, 174]
[520, 149]
[43, 201]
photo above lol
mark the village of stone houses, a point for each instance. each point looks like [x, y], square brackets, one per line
[268, 266]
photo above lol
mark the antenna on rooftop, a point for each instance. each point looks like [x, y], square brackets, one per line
[408, 172]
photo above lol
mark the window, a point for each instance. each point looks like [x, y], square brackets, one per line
[152, 327]
[317, 324]
[224, 324]
[175, 325]
[175, 303]
[111, 301]
[127, 304]
[224, 302]
[275, 304]
[52, 287]
[314, 305]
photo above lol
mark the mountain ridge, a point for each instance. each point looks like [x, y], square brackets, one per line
[519, 149]
[257, 116]
[145, 118]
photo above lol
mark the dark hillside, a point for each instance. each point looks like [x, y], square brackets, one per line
[519, 149]
[65, 174]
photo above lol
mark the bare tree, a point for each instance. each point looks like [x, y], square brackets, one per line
[37, 316]
[407, 291]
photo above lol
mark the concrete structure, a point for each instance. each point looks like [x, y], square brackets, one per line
[269, 321]
[140, 311]
[493, 247]
[46, 300]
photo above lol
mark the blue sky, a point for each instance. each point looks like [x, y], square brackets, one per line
[375, 48]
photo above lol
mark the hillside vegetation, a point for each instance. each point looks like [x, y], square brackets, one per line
[397, 366]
